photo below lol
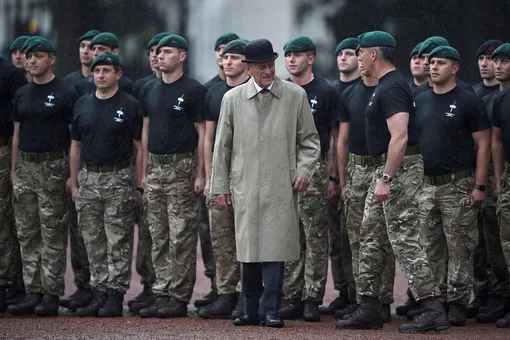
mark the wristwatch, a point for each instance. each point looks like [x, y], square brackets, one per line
[334, 179]
[480, 187]
[387, 178]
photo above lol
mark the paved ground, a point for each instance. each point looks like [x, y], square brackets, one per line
[68, 327]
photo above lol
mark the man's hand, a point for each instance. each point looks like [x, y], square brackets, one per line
[477, 197]
[224, 200]
[68, 185]
[74, 192]
[497, 190]
[342, 191]
[206, 188]
[301, 185]
[199, 185]
[332, 189]
[382, 191]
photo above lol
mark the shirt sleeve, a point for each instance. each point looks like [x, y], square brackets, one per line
[75, 128]
[142, 97]
[136, 126]
[496, 112]
[197, 108]
[15, 103]
[208, 115]
[396, 99]
[342, 112]
[477, 118]
[70, 101]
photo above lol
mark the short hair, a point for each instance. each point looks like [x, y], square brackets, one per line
[385, 53]
[51, 54]
[311, 52]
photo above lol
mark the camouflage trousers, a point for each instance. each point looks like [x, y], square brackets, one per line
[106, 205]
[395, 219]
[206, 247]
[503, 213]
[490, 271]
[79, 259]
[306, 278]
[358, 183]
[340, 250]
[173, 213]
[223, 237]
[11, 274]
[449, 229]
[143, 262]
[40, 210]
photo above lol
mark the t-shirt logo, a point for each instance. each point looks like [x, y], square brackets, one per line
[120, 116]
[452, 107]
[370, 103]
[313, 102]
[49, 103]
[180, 100]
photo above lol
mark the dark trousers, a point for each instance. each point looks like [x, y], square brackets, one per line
[262, 286]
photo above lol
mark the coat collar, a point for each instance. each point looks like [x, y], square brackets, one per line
[276, 90]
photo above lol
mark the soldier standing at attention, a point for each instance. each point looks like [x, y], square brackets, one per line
[417, 71]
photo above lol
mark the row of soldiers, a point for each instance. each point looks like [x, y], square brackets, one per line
[154, 149]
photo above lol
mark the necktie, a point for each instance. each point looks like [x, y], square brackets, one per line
[265, 90]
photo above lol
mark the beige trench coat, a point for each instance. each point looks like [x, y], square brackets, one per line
[263, 142]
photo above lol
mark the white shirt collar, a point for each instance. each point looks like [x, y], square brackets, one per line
[260, 88]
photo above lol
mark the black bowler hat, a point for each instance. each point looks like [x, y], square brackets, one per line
[259, 51]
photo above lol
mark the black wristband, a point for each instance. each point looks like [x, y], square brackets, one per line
[334, 179]
[141, 190]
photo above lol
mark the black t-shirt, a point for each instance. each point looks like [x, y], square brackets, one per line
[501, 119]
[107, 127]
[137, 85]
[11, 79]
[73, 78]
[44, 112]
[213, 82]
[87, 85]
[412, 85]
[489, 102]
[425, 87]
[173, 109]
[392, 95]
[323, 101]
[481, 90]
[446, 123]
[353, 104]
[340, 86]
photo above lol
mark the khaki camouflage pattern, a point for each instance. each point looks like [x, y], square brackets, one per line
[402, 229]
[306, 278]
[11, 274]
[358, 183]
[223, 237]
[106, 216]
[173, 214]
[490, 271]
[204, 234]
[79, 259]
[144, 266]
[40, 210]
[449, 226]
[340, 249]
[503, 213]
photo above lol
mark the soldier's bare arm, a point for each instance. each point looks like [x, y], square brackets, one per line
[138, 155]
[200, 181]
[497, 156]
[75, 165]
[15, 150]
[397, 126]
[342, 152]
[210, 126]
[483, 149]
[145, 151]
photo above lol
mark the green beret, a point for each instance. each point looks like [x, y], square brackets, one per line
[431, 43]
[235, 46]
[447, 52]
[415, 49]
[376, 39]
[39, 45]
[502, 52]
[156, 39]
[299, 44]
[89, 35]
[106, 58]
[17, 44]
[27, 42]
[225, 39]
[106, 39]
[173, 40]
[349, 43]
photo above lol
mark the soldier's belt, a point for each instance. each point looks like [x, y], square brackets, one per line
[365, 160]
[447, 178]
[39, 157]
[410, 151]
[171, 158]
[4, 141]
[107, 168]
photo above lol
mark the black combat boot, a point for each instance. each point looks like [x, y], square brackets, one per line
[94, 306]
[239, 310]
[473, 308]
[350, 309]
[80, 298]
[48, 306]
[311, 311]
[504, 322]
[291, 309]
[143, 296]
[207, 300]
[341, 302]
[113, 305]
[411, 304]
[152, 310]
[432, 318]
[221, 308]
[173, 309]
[26, 306]
[497, 311]
[457, 314]
[14, 296]
[3, 299]
[367, 316]
[386, 313]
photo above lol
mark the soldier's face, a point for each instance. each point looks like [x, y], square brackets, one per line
[366, 60]
[298, 62]
[105, 76]
[18, 59]
[153, 58]
[98, 49]
[262, 73]
[416, 66]
[39, 63]
[219, 53]
[442, 69]
[347, 61]
[486, 66]
[170, 59]
[502, 69]
[425, 62]
[233, 66]
[86, 56]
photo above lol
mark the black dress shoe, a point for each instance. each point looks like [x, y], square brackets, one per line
[272, 321]
[247, 320]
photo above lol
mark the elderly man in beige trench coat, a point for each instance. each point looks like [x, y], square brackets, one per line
[266, 150]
